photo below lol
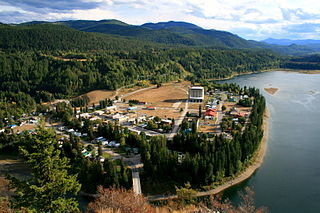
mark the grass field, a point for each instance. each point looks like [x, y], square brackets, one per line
[168, 99]
[164, 96]
[98, 95]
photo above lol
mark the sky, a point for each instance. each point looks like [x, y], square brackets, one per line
[250, 19]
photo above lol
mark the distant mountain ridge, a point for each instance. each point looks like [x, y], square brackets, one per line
[287, 42]
[170, 33]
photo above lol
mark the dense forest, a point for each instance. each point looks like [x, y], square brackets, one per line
[307, 62]
[39, 63]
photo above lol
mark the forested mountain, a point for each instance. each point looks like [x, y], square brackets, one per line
[58, 37]
[165, 32]
[308, 62]
[41, 61]
[182, 33]
[286, 42]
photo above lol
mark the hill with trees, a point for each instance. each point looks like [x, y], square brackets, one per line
[44, 61]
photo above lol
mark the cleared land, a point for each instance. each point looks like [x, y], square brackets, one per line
[208, 126]
[98, 95]
[164, 96]
[167, 99]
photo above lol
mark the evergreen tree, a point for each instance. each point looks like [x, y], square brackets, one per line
[51, 188]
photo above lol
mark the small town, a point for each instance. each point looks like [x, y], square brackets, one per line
[155, 111]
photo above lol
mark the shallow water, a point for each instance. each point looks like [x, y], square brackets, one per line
[289, 179]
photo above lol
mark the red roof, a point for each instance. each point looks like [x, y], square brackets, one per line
[211, 112]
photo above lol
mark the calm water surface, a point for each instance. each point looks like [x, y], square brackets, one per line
[289, 179]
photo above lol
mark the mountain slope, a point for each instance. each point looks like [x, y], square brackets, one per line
[287, 42]
[59, 37]
[164, 32]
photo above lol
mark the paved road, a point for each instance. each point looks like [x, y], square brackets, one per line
[178, 122]
[140, 90]
[136, 181]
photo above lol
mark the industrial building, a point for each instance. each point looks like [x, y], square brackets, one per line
[196, 94]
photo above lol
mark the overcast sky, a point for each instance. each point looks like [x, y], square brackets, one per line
[250, 19]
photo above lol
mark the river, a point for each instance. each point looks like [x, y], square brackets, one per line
[289, 178]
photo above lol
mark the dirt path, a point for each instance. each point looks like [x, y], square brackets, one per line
[258, 160]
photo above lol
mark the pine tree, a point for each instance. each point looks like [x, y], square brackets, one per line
[51, 188]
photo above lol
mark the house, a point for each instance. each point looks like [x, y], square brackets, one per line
[166, 121]
[84, 115]
[141, 103]
[70, 130]
[77, 134]
[111, 108]
[210, 113]
[132, 108]
[101, 140]
[99, 112]
[150, 108]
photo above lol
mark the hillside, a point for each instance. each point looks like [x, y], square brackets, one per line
[183, 33]
[287, 42]
[44, 36]
[164, 32]
[114, 34]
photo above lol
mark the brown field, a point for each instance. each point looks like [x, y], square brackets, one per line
[98, 95]
[162, 113]
[271, 90]
[192, 105]
[24, 128]
[165, 96]
[208, 126]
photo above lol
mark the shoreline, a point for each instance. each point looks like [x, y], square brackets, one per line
[268, 70]
[244, 175]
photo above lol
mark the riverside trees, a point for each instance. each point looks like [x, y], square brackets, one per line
[192, 157]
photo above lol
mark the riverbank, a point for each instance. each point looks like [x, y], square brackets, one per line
[247, 173]
[240, 74]
[301, 71]
[268, 70]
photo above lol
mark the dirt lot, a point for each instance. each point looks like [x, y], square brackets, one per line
[98, 95]
[208, 126]
[168, 99]
[162, 113]
[24, 128]
[165, 96]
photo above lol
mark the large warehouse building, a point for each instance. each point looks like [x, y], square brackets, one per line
[196, 94]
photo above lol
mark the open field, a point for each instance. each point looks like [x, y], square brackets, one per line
[98, 95]
[162, 113]
[165, 96]
[167, 99]
[208, 126]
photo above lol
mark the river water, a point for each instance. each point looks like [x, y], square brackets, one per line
[289, 178]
